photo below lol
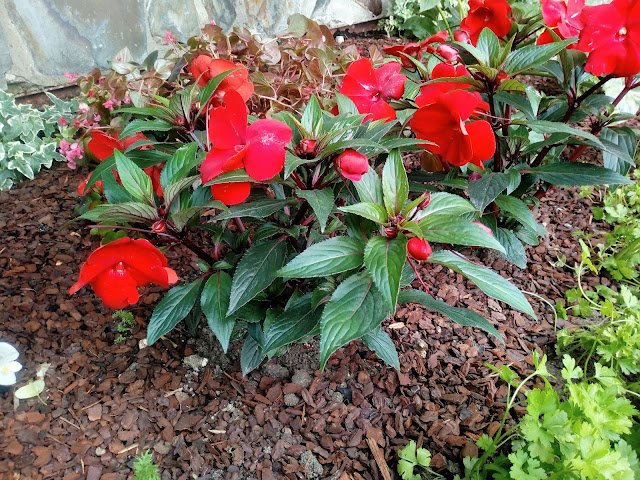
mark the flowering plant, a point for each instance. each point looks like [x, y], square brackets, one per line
[301, 224]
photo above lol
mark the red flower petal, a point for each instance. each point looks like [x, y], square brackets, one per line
[200, 65]
[381, 109]
[116, 288]
[228, 123]
[265, 152]
[483, 141]
[102, 145]
[237, 81]
[219, 161]
[231, 193]
[390, 82]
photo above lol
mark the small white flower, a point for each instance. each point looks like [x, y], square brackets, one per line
[8, 365]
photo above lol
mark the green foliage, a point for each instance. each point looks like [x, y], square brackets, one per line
[411, 458]
[125, 323]
[144, 468]
[582, 434]
[29, 137]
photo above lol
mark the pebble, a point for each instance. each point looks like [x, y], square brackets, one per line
[302, 378]
[312, 467]
[291, 399]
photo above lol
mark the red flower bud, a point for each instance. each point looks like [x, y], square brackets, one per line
[447, 52]
[423, 204]
[159, 227]
[419, 248]
[307, 146]
[391, 232]
[474, 176]
[352, 164]
[461, 36]
[501, 77]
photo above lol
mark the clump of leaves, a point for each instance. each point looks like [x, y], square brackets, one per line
[125, 323]
[411, 458]
[586, 435]
[29, 137]
[144, 468]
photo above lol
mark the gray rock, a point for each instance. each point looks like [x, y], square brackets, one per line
[312, 467]
[291, 399]
[272, 369]
[337, 397]
[302, 378]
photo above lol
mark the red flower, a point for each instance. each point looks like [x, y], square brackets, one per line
[493, 14]
[611, 33]
[258, 148]
[371, 89]
[411, 49]
[563, 19]
[204, 68]
[419, 248]
[102, 145]
[439, 37]
[443, 122]
[352, 164]
[430, 91]
[116, 270]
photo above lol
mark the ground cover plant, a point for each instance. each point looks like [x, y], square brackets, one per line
[312, 223]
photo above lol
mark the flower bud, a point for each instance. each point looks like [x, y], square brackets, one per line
[423, 204]
[352, 164]
[447, 52]
[159, 227]
[461, 36]
[307, 146]
[419, 248]
[474, 176]
[391, 232]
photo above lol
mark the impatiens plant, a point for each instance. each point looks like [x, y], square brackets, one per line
[302, 225]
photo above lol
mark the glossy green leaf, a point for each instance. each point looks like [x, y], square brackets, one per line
[257, 209]
[138, 126]
[487, 280]
[485, 190]
[572, 174]
[531, 56]
[369, 188]
[295, 323]
[395, 186]
[329, 257]
[256, 271]
[520, 211]
[457, 231]
[514, 251]
[381, 343]
[174, 306]
[355, 309]
[322, 202]
[133, 178]
[384, 258]
[367, 210]
[215, 303]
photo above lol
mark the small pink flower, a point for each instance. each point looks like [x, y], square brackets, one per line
[97, 117]
[71, 76]
[64, 146]
[62, 121]
[169, 38]
[108, 104]
[127, 99]
[212, 22]
[83, 107]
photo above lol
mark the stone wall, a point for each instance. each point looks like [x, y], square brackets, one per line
[40, 40]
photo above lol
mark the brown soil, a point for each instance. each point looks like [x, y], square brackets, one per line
[106, 402]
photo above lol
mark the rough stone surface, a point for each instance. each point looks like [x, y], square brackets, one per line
[302, 378]
[312, 467]
[291, 399]
[51, 37]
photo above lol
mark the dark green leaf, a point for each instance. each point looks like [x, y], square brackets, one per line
[335, 255]
[514, 250]
[122, 212]
[180, 164]
[489, 45]
[322, 202]
[395, 186]
[312, 116]
[572, 174]
[173, 190]
[133, 178]
[442, 203]
[251, 355]
[138, 126]
[485, 190]
[257, 209]
[367, 210]
[457, 231]
[533, 55]
[384, 258]
[369, 188]
[545, 126]
[519, 210]
[461, 316]
[175, 305]
[625, 139]
[487, 280]
[256, 271]
[296, 322]
[355, 309]
[381, 343]
[215, 303]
